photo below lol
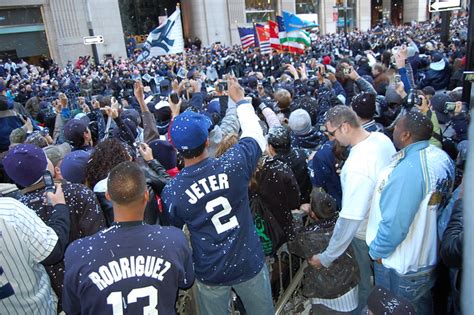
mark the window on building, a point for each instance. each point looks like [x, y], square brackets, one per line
[139, 17]
[350, 10]
[20, 16]
[307, 6]
[260, 10]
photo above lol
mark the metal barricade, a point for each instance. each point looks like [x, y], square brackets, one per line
[286, 273]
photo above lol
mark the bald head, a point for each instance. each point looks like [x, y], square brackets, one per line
[419, 126]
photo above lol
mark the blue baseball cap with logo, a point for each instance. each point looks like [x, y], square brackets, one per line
[190, 130]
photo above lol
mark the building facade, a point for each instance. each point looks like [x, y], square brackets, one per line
[218, 20]
[31, 29]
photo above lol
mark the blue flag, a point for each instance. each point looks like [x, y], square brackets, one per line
[293, 22]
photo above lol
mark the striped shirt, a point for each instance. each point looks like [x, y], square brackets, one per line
[345, 303]
[25, 241]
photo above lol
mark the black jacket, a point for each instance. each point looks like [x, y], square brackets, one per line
[279, 192]
[451, 245]
[296, 160]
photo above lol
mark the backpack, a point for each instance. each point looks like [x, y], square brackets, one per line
[268, 229]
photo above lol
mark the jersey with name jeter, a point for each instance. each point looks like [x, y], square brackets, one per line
[211, 197]
[130, 268]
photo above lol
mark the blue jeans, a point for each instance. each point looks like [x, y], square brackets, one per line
[361, 251]
[256, 295]
[415, 287]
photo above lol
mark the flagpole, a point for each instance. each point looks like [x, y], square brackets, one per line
[178, 7]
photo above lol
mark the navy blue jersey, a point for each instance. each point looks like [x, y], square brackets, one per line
[211, 197]
[130, 268]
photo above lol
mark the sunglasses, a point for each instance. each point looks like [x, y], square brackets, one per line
[333, 133]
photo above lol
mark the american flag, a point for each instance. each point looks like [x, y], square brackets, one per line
[247, 37]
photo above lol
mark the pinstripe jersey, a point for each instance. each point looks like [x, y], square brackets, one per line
[25, 241]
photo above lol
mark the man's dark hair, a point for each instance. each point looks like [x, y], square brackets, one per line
[126, 183]
[419, 126]
[192, 153]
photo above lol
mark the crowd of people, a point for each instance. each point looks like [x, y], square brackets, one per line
[350, 157]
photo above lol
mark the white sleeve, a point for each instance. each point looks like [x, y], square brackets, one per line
[356, 196]
[341, 238]
[39, 238]
[249, 124]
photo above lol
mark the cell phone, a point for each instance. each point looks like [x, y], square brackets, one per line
[450, 106]
[174, 98]
[223, 86]
[48, 182]
[346, 71]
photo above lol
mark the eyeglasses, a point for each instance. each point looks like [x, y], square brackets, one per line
[333, 133]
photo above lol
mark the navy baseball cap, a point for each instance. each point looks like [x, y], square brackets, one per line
[25, 164]
[190, 130]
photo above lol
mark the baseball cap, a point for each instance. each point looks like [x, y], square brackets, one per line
[300, 122]
[437, 62]
[279, 137]
[56, 153]
[25, 164]
[364, 105]
[382, 301]
[438, 103]
[74, 131]
[214, 106]
[164, 152]
[189, 130]
[131, 114]
[73, 167]
[392, 97]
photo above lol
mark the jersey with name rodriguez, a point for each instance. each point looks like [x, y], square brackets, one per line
[127, 269]
[211, 197]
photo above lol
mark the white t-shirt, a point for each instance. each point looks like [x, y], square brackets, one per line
[359, 176]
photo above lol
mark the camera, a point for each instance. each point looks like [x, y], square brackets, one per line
[413, 99]
[449, 106]
[223, 86]
[346, 71]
